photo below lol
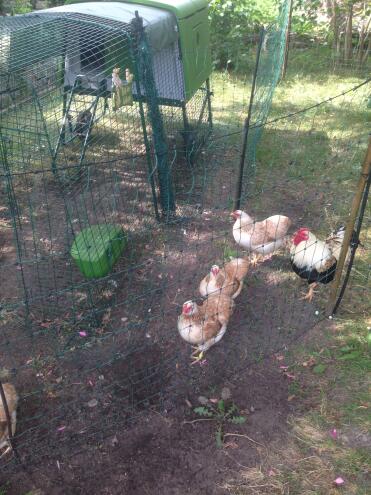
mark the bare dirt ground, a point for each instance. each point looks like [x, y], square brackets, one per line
[106, 413]
[162, 453]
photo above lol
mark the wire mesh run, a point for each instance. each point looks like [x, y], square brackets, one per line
[90, 355]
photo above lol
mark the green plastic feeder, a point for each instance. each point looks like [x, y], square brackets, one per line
[96, 249]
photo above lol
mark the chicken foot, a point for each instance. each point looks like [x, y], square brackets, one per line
[202, 348]
[259, 258]
[197, 359]
[309, 295]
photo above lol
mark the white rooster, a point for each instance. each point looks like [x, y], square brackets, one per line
[315, 260]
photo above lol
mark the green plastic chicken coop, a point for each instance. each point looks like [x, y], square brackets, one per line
[92, 86]
[164, 46]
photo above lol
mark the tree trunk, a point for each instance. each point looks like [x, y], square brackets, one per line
[335, 25]
[348, 46]
[363, 36]
[367, 51]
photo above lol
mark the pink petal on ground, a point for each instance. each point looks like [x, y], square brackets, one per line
[83, 334]
[61, 428]
[90, 383]
[271, 472]
[203, 362]
[334, 433]
[284, 367]
[339, 481]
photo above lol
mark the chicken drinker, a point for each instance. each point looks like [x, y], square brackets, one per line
[96, 249]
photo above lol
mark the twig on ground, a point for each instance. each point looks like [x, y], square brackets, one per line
[197, 420]
[243, 436]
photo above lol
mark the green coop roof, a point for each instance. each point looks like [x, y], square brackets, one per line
[164, 21]
[180, 8]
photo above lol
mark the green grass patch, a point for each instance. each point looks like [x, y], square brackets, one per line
[315, 158]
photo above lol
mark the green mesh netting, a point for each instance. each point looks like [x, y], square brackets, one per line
[92, 282]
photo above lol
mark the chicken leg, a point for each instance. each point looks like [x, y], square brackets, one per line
[254, 261]
[309, 295]
[202, 348]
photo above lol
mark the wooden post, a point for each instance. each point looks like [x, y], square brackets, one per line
[287, 42]
[366, 167]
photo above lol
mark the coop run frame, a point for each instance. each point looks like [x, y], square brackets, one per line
[165, 48]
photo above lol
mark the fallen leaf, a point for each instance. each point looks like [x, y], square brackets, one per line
[231, 445]
[290, 375]
[291, 397]
[309, 363]
[106, 317]
[189, 404]
[92, 403]
[46, 324]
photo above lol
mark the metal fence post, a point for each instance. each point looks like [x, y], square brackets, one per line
[147, 79]
[237, 198]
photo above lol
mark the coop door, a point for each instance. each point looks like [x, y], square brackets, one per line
[200, 47]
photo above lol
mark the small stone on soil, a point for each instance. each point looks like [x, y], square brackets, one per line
[226, 393]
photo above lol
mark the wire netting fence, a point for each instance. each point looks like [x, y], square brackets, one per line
[88, 355]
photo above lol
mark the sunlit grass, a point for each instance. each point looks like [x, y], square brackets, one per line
[315, 158]
[332, 438]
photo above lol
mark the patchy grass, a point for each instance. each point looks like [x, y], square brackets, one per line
[317, 155]
[331, 438]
